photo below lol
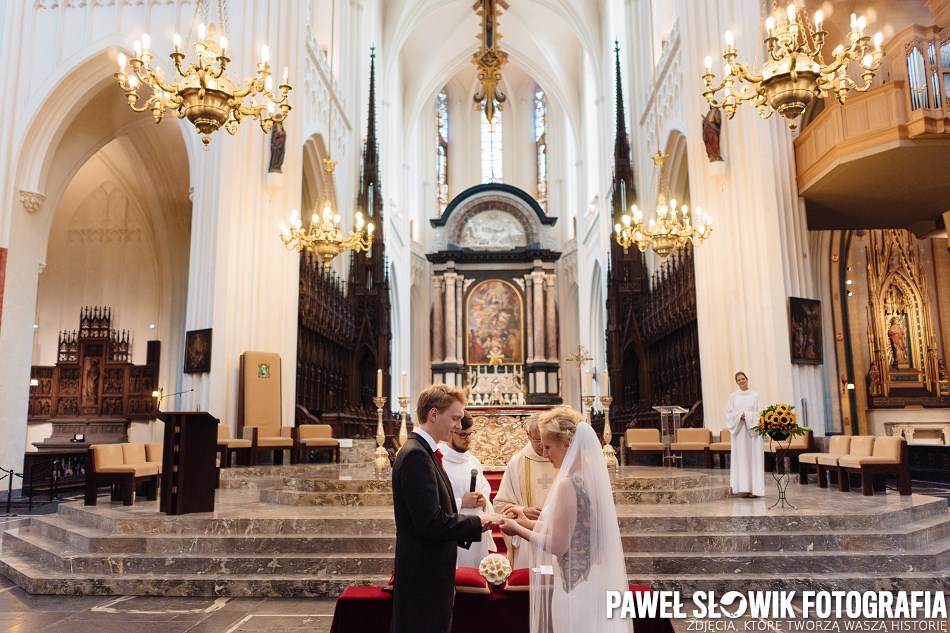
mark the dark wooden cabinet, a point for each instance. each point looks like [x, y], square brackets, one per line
[188, 462]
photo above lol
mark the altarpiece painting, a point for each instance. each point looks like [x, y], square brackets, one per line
[495, 324]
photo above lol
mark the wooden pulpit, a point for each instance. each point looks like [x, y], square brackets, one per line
[188, 462]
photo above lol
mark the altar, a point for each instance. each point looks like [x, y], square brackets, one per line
[500, 433]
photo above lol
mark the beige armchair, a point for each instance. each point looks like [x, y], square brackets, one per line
[888, 458]
[693, 441]
[227, 446]
[838, 445]
[722, 448]
[641, 442]
[315, 437]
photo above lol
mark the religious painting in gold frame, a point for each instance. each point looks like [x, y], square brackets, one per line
[494, 315]
[804, 316]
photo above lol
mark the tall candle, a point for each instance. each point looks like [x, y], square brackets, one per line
[606, 383]
[587, 389]
[379, 383]
[405, 384]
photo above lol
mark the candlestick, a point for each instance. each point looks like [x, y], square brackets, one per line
[610, 456]
[405, 385]
[404, 406]
[379, 383]
[381, 457]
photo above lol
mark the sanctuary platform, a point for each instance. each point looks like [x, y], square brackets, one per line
[312, 531]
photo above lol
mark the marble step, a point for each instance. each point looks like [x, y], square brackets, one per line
[96, 540]
[914, 536]
[100, 541]
[25, 573]
[283, 496]
[933, 558]
[34, 579]
[52, 554]
[634, 520]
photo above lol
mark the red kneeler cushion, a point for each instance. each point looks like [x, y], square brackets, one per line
[519, 580]
[468, 580]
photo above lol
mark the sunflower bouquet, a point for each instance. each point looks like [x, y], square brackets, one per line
[778, 422]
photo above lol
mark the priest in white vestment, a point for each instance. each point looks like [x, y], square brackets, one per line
[747, 463]
[526, 482]
[459, 464]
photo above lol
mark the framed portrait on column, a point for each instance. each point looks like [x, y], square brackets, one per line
[197, 351]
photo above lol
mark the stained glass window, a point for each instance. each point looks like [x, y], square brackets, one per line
[491, 148]
[442, 158]
[541, 144]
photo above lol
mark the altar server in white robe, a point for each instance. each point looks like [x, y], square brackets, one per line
[747, 469]
[459, 465]
[525, 484]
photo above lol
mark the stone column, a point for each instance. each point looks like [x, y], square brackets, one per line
[528, 329]
[550, 319]
[459, 312]
[451, 355]
[537, 277]
[438, 347]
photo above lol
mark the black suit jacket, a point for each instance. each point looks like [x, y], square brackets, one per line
[428, 532]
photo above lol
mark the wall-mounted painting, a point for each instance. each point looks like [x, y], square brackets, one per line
[804, 316]
[494, 324]
[197, 351]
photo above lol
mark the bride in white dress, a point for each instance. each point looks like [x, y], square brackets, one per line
[576, 548]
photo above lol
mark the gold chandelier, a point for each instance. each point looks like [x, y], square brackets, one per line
[672, 228]
[203, 93]
[794, 73]
[323, 237]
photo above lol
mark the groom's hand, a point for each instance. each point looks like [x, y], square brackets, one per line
[490, 520]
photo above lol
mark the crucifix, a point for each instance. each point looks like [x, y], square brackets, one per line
[580, 357]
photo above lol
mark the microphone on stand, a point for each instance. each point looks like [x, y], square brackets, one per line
[161, 396]
[471, 487]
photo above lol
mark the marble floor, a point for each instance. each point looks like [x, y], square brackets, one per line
[674, 522]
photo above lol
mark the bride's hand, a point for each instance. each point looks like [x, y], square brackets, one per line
[509, 527]
[532, 513]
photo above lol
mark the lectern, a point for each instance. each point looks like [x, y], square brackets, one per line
[669, 422]
[188, 462]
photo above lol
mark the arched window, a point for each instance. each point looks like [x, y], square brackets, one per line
[491, 148]
[442, 158]
[541, 144]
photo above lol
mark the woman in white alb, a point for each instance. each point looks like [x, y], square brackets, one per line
[575, 543]
[747, 464]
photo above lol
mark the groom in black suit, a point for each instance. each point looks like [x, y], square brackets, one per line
[428, 526]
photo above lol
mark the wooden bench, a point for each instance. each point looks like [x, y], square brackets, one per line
[641, 442]
[693, 441]
[838, 445]
[122, 466]
[315, 437]
[888, 458]
[722, 448]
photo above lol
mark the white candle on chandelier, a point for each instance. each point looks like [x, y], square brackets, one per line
[224, 45]
[286, 75]
[146, 41]
[122, 61]
[878, 39]
[819, 18]
[201, 32]
[708, 64]
[854, 21]
[790, 10]
[265, 53]
[137, 47]
[730, 39]
[770, 25]
[176, 41]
